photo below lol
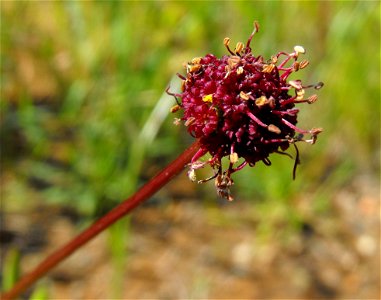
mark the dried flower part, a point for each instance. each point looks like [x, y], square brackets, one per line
[243, 106]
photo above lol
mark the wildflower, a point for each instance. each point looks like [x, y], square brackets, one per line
[242, 106]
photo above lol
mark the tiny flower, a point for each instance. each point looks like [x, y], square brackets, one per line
[242, 107]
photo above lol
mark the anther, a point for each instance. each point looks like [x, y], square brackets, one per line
[175, 108]
[233, 61]
[189, 121]
[244, 96]
[255, 30]
[261, 101]
[274, 59]
[193, 68]
[233, 157]
[316, 131]
[304, 63]
[295, 84]
[299, 49]
[268, 68]
[208, 98]
[239, 70]
[318, 86]
[312, 99]
[192, 175]
[274, 129]
[296, 66]
[226, 43]
[196, 60]
[300, 94]
[238, 48]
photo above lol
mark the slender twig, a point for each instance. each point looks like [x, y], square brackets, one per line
[115, 214]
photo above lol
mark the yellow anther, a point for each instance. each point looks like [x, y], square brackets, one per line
[268, 68]
[190, 121]
[274, 59]
[175, 108]
[296, 84]
[233, 61]
[239, 47]
[296, 66]
[196, 60]
[208, 98]
[193, 68]
[226, 41]
[233, 157]
[300, 94]
[311, 99]
[239, 70]
[304, 63]
[274, 129]
[261, 101]
[244, 96]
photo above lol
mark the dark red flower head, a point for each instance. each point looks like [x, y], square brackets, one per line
[242, 106]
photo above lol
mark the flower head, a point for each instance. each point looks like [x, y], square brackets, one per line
[242, 106]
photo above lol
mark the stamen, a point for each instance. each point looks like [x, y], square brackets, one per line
[240, 167]
[239, 70]
[192, 175]
[261, 101]
[312, 99]
[256, 120]
[175, 95]
[274, 129]
[200, 153]
[300, 94]
[226, 43]
[287, 101]
[180, 76]
[304, 63]
[207, 179]
[296, 84]
[244, 96]
[208, 98]
[292, 126]
[268, 68]
[190, 121]
[256, 29]
[299, 49]
[177, 121]
[296, 163]
[238, 48]
[319, 85]
[175, 108]
[233, 157]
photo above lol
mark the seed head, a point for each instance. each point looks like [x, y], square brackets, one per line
[242, 107]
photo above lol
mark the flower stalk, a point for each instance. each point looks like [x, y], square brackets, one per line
[143, 194]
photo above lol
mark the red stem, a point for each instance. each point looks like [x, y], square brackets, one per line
[144, 193]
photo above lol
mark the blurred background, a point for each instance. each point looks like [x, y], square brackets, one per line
[85, 121]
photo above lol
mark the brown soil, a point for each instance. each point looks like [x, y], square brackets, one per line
[184, 249]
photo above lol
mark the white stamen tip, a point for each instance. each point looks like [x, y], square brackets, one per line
[299, 49]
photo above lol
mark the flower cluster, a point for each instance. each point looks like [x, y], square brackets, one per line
[242, 106]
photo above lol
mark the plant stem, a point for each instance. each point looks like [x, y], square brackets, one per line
[144, 193]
